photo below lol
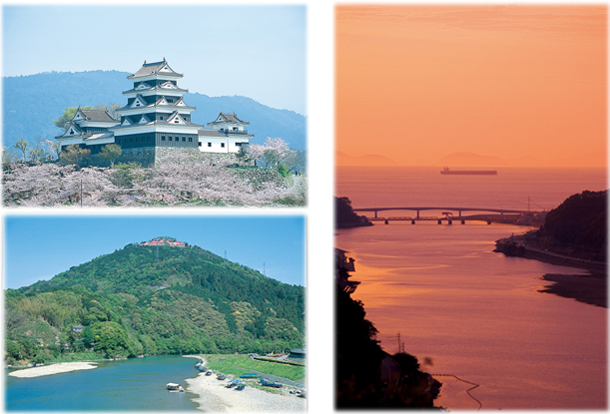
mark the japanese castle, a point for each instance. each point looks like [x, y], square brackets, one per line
[154, 118]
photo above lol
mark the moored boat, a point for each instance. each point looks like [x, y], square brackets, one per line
[247, 375]
[172, 386]
[232, 384]
[240, 386]
[273, 384]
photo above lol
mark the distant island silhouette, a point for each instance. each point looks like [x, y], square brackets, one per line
[470, 159]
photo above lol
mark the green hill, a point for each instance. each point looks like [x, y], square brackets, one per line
[153, 300]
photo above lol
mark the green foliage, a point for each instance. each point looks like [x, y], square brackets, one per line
[23, 146]
[123, 174]
[73, 154]
[67, 116]
[185, 300]
[110, 339]
[111, 152]
[236, 365]
[282, 169]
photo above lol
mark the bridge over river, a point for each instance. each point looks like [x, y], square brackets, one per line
[449, 213]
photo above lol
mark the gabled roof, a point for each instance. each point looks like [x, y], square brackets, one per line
[73, 130]
[93, 115]
[138, 102]
[231, 119]
[155, 68]
[175, 118]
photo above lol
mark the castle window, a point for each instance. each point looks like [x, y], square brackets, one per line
[170, 138]
[183, 139]
[190, 139]
[209, 144]
[162, 137]
[222, 145]
[199, 144]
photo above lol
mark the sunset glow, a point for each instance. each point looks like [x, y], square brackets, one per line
[525, 84]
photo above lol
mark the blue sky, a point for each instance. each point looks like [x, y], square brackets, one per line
[39, 247]
[247, 50]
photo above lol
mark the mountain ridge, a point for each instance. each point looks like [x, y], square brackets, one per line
[32, 102]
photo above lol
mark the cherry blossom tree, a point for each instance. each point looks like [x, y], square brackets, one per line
[179, 178]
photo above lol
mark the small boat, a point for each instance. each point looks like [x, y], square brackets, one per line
[240, 386]
[273, 384]
[221, 376]
[208, 373]
[172, 386]
[232, 384]
[247, 375]
[201, 368]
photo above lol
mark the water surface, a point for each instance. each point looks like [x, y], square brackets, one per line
[475, 313]
[134, 384]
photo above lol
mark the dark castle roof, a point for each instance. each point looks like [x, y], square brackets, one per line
[148, 69]
[97, 115]
[227, 119]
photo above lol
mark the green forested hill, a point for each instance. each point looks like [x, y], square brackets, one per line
[154, 300]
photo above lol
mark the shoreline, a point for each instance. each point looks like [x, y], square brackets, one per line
[52, 369]
[589, 288]
[213, 396]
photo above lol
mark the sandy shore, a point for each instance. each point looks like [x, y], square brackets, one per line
[215, 397]
[52, 369]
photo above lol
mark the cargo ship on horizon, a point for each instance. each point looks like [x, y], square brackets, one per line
[447, 171]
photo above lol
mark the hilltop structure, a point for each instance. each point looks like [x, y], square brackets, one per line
[164, 241]
[155, 119]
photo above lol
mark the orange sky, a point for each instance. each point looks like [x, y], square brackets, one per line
[417, 83]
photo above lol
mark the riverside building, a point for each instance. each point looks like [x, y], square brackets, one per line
[155, 120]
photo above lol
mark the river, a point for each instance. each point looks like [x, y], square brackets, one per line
[476, 314]
[133, 384]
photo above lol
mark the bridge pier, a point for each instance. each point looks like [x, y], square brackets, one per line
[412, 221]
[387, 221]
[440, 221]
[463, 221]
[375, 213]
[418, 214]
[449, 221]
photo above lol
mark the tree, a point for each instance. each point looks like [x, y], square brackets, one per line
[67, 117]
[8, 156]
[295, 160]
[73, 154]
[54, 149]
[22, 145]
[112, 109]
[111, 152]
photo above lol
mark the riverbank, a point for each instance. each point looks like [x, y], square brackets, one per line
[52, 369]
[213, 396]
[590, 288]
